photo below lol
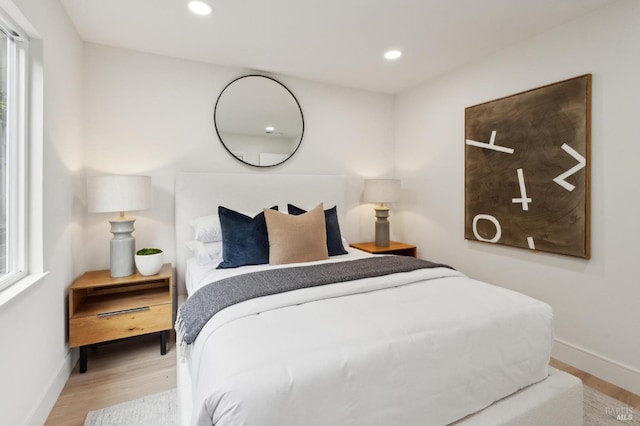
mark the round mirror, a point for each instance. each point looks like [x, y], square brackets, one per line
[259, 121]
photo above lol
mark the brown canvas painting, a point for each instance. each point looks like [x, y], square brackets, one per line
[527, 169]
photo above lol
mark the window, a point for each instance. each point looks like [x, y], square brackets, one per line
[13, 170]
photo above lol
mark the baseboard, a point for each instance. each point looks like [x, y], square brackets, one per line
[614, 372]
[49, 396]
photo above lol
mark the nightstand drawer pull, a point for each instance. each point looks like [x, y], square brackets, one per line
[123, 311]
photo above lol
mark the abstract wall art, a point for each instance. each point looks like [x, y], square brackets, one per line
[527, 169]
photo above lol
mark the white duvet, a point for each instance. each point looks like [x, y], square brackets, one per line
[426, 347]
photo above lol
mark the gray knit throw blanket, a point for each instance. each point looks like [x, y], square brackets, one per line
[214, 297]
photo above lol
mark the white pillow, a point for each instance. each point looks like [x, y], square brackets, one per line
[207, 228]
[206, 252]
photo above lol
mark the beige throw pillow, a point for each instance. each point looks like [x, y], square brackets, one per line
[294, 239]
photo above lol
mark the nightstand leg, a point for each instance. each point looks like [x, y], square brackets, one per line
[83, 359]
[163, 342]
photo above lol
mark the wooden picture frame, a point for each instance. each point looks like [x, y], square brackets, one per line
[527, 169]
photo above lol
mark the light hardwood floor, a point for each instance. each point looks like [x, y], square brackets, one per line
[605, 387]
[116, 372]
[130, 369]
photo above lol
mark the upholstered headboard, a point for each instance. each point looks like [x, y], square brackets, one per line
[200, 194]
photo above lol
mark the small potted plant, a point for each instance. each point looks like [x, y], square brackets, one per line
[149, 261]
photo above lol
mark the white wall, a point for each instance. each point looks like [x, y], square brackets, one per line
[35, 361]
[595, 301]
[150, 114]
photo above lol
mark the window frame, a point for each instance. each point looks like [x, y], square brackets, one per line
[17, 176]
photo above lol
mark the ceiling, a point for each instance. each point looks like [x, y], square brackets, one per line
[338, 42]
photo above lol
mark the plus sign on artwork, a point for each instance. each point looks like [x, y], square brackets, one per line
[527, 169]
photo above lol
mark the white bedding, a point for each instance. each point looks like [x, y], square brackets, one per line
[198, 275]
[421, 348]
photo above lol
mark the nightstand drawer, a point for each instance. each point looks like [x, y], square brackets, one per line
[113, 325]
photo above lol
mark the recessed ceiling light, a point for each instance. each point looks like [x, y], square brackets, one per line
[269, 129]
[199, 7]
[392, 54]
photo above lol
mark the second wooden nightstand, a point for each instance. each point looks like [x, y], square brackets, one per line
[394, 248]
[102, 308]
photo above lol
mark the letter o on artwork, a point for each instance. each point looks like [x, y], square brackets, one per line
[491, 219]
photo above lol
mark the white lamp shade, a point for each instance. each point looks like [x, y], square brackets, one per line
[381, 191]
[118, 193]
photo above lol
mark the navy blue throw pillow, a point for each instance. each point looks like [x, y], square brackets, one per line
[334, 238]
[244, 239]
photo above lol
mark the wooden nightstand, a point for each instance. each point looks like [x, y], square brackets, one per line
[394, 248]
[102, 308]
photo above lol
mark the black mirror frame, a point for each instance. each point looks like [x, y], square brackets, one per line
[220, 137]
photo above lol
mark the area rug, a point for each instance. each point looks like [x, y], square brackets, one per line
[602, 410]
[161, 410]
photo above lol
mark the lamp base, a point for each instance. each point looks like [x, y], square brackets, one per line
[382, 227]
[123, 247]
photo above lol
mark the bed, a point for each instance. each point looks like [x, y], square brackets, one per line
[426, 346]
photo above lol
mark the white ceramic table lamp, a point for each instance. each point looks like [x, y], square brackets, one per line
[120, 194]
[381, 191]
